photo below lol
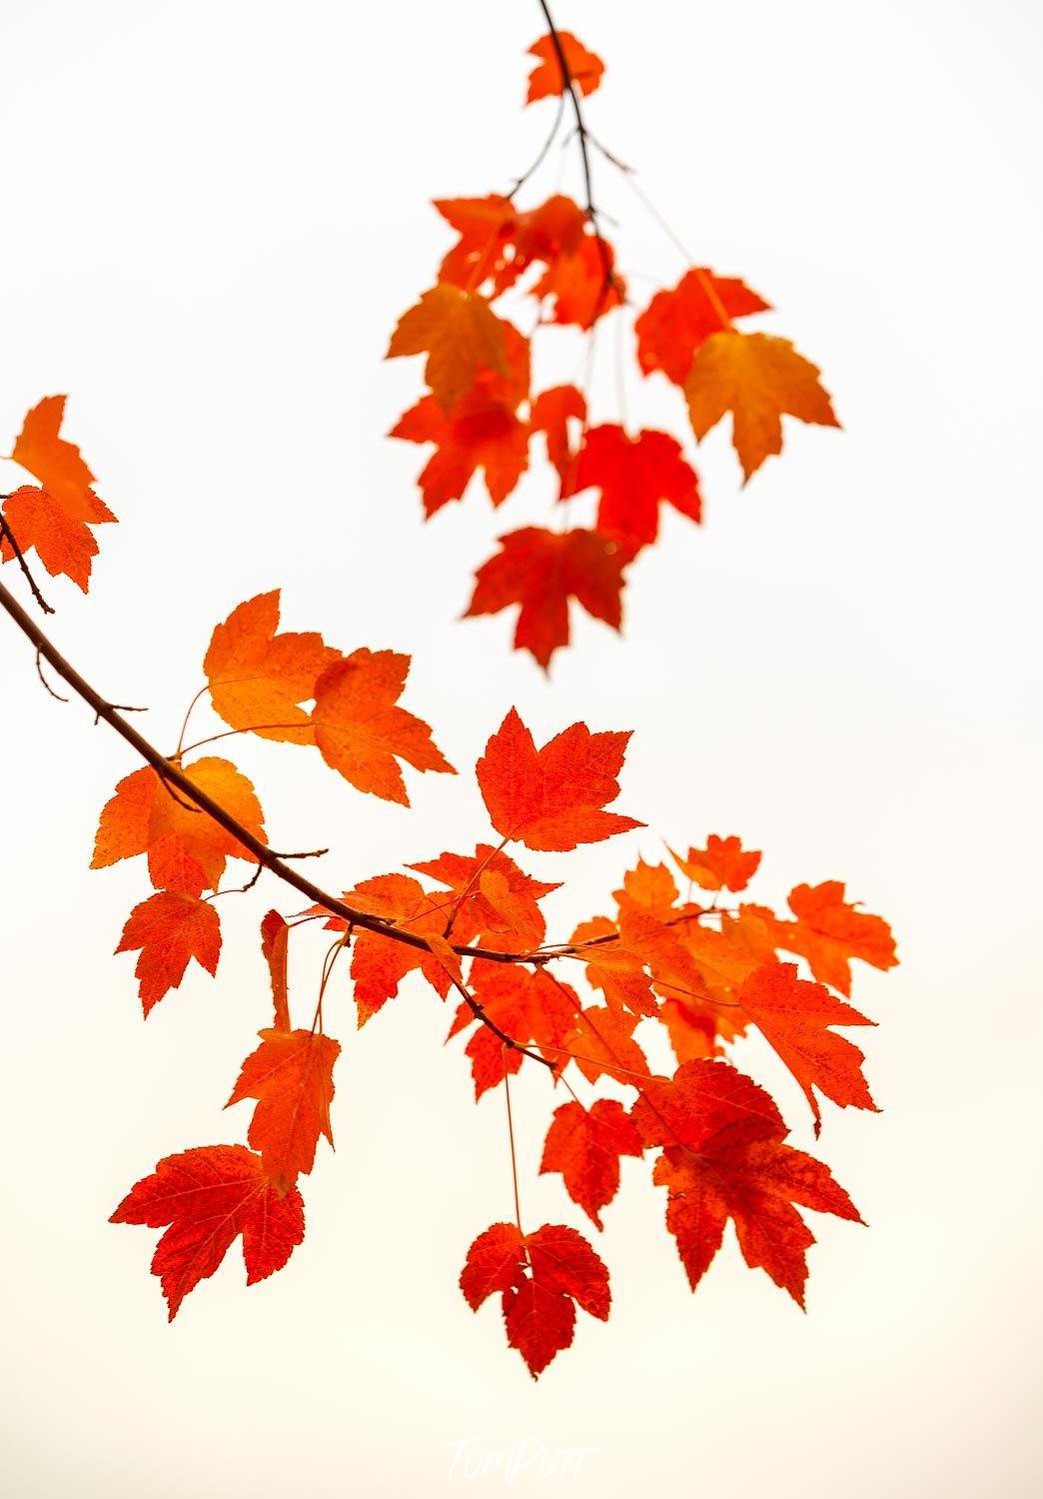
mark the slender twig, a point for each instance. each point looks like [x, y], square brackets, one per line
[8, 534]
[584, 151]
[514, 1153]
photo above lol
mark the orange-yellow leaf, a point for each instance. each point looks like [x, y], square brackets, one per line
[459, 333]
[187, 849]
[360, 729]
[258, 677]
[758, 378]
[722, 865]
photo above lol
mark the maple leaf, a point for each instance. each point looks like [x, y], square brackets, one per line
[585, 1146]
[542, 570]
[379, 964]
[480, 434]
[635, 474]
[756, 377]
[258, 677]
[187, 849]
[582, 285]
[275, 934]
[209, 1196]
[57, 464]
[291, 1077]
[602, 1044]
[361, 731]
[170, 928]
[829, 932]
[500, 898]
[794, 1017]
[547, 79]
[552, 799]
[542, 1277]
[460, 334]
[498, 243]
[552, 410]
[678, 321]
[529, 1006]
[614, 968]
[723, 1158]
[63, 542]
[722, 865]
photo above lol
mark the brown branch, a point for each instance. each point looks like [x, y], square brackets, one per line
[172, 776]
[584, 149]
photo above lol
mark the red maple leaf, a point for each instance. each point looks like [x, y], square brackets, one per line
[723, 1157]
[543, 570]
[635, 475]
[542, 1277]
[553, 798]
[676, 322]
[170, 928]
[208, 1197]
[585, 1146]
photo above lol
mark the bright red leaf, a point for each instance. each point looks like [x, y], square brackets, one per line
[585, 1146]
[543, 570]
[542, 1277]
[208, 1197]
[553, 798]
[168, 930]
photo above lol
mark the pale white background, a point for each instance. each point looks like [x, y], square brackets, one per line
[213, 215]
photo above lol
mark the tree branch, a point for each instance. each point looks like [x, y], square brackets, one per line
[173, 777]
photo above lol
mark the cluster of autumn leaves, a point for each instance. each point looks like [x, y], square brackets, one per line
[480, 412]
[701, 970]
[681, 964]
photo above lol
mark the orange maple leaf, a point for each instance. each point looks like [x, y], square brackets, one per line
[170, 928]
[794, 1017]
[209, 1196]
[542, 570]
[379, 964]
[479, 434]
[635, 475]
[723, 1158]
[56, 519]
[756, 377]
[499, 899]
[542, 1277]
[459, 333]
[187, 850]
[585, 1146]
[552, 799]
[291, 1077]
[678, 321]
[361, 731]
[258, 677]
[722, 865]
[829, 932]
[547, 79]
[602, 1045]
[275, 933]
